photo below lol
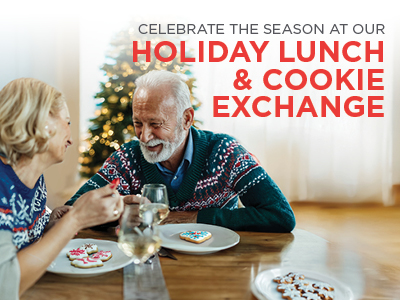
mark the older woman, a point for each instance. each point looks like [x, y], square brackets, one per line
[34, 134]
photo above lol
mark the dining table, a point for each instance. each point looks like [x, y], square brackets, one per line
[232, 273]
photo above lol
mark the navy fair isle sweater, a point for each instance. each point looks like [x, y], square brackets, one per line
[221, 171]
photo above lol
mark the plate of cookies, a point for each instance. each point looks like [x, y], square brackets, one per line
[293, 284]
[88, 257]
[197, 239]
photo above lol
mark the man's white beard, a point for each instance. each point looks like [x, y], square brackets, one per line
[167, 150]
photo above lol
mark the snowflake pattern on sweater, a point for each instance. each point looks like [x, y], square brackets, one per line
[221, 171]
[215, 187]
[22, 210]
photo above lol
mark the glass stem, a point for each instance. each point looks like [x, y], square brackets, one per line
[138, 273]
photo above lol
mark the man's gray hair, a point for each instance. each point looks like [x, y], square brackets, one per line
[179, 88]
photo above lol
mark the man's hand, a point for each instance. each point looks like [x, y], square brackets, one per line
[56, 215]
[131, 199]
[177, 217]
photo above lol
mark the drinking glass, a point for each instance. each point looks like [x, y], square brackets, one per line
[138, 237]
[155, 199]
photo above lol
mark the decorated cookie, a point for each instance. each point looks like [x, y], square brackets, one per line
[300, 282]
[295, 286]
[90, 248]
[102, 255]
[311, 296]
[305, 288]
[86, 262]
[296, 276]
[323, 286]
[286, 287]
[291, 294]
[283, 279]
[325, 295]
[278, 279]
[195, 236]
[77, 253]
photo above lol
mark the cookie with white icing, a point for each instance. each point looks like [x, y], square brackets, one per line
[102, 255]
[86, 262]
[90, 248]
[305, 288]
[296, 276]
[77, 253]
[291, 294]
[323, 286]
[286, 287]
[311, 296]
[324, 294]
[196, 237]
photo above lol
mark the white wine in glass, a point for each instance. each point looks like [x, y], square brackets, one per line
[155, 199]
[138, 238]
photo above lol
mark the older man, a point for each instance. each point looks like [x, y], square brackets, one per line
[205, 173]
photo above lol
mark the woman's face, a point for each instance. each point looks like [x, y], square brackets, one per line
[59, 143]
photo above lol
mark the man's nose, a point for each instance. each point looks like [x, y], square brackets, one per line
[146, 134]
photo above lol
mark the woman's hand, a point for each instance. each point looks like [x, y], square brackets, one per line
[98, 206]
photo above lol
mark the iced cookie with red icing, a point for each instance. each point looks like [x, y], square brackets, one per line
[86, 262]
[77, 253]
[102, 255]
[90, 248]
[195, 236]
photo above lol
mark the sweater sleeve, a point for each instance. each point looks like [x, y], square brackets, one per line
[9, 266]
[116, 166]
[266, 208]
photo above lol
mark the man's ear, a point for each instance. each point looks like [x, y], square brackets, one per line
[188, 117]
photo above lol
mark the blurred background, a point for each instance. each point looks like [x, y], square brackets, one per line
[78, 48]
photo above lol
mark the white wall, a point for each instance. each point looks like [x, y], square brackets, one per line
[46, 48]
[46, 45]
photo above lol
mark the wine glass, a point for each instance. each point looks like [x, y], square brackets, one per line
[155, 199]
[137, 237]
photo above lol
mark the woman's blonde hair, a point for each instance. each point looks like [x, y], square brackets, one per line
[25, 105]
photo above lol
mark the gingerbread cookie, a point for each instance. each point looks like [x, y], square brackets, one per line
[102, 255]
[77, 253]
[323, 286]
[196, 237]
[305, 288]
[283, 279]
[294, 286]
[298, 282]
[291, 294]
[311, 296]
[324, 294]
[296, 276]
[286, 287]
[90, 248]
[86, 262]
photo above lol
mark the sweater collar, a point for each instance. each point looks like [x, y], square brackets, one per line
[186, 189]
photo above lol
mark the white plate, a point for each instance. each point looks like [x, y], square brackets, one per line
[62, 265]
[222, 238]
[264, 288]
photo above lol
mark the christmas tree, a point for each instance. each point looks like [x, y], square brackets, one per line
[112, 125]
